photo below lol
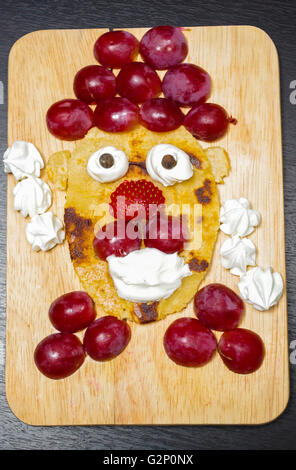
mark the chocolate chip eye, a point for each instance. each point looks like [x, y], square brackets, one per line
[106, 160]
[168, 162]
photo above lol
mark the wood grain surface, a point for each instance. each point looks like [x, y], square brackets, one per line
[142, 386]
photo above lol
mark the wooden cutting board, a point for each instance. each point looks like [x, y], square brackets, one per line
[142, 386]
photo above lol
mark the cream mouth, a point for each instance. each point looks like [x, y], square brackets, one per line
[147, 274]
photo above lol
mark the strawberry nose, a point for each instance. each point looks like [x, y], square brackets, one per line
[135, 198]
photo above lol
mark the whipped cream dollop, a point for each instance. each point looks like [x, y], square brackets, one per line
[32, 196]
[261, 288]
[44, 231]
[107, 164]
[168, 171]
[147, 274]
[237, 218]
[22, 159]
[238, 253]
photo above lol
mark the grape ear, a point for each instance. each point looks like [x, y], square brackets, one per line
[57, 169]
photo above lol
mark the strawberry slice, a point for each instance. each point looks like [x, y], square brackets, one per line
[135, 199]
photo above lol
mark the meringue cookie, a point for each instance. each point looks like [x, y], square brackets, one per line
[147, 274]
[106, 174]
[44, 231]
[237, 218]
[183, 170]
[22, 159]
[32, 196]
[238, 253]
[261, 288]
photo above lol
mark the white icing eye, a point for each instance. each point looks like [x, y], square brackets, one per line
[107, 164]
[168, 164]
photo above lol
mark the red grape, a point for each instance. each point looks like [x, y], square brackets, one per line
[163, 46]
[69, 119]
[116, 48]
[114, 239]
[160, 115]
[218, 307]
[116, 115]
[208, 122]
[187, 84]
[72, 312]
[241, 350]
[138, 82]
[106, 338]
[189, 343]
[166, 233]
[59, 355]
[94, 83]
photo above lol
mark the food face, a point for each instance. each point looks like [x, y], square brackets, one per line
[87, 205]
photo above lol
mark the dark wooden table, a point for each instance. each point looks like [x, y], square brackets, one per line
[278, 19]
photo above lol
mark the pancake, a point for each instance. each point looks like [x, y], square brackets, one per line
[83, 214]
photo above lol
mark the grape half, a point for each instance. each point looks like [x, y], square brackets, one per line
[69, 119]
[187, 84]
[59, 355]
[106, 338]
[116, 48]
[94, 83]
[218, 307]
[241, 350]
[163, 46]
[208, 122]
[160, 115]
[113, 239]
[138, 82]
[166, 233]
[189, 343]
[72, 312]
[116, 115]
